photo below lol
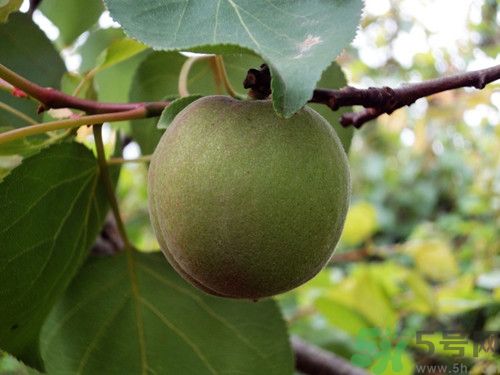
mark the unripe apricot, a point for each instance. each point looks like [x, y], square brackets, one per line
[244, 203]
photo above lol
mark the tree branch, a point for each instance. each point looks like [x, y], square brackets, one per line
[377, 101]
[311, 360]
[109, 240]
[51, 98]
[33, 5]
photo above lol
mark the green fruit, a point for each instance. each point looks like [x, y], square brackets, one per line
[246, 204]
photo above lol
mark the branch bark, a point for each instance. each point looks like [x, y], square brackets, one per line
[377, 101]
[33, 5]
[52, 98]
[109, 241]
[311, 360]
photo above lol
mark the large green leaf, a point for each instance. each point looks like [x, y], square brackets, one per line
[72, 17]
[25, 49]
[334, 78]
[298, 39]
[52, 207]
[132, 314]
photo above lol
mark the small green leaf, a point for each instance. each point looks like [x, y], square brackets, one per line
[132, 314]
[174, 108]
[97, 42]
[119, 50]
[298, 39]
[7, 7]
[52, 209]
[72, 17]
[25, 49]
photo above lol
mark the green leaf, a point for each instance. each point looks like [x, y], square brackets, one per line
[12, 153]
[298, 39]
[155, 79]
[364, 293]
[113, 84]
[342, 316]
[334, 78]
[174, 108]
[52, 209]
[72, 17]
[7, 7]
[133, 314]
[25, 49]
[119, 50]
[97, 42]
[11, 366]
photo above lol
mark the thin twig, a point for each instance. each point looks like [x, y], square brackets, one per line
[377, 101]
[142, 159]
[108, 183]
[45, 127]
[17, 113]
[311, 360]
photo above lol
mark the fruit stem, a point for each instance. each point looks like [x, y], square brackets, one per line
[184, 73]
[108, 184]
[222, 74]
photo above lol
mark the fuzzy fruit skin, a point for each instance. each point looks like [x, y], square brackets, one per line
[246, 204]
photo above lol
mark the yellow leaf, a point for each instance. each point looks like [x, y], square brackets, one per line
[433, 258]
[361, 223]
